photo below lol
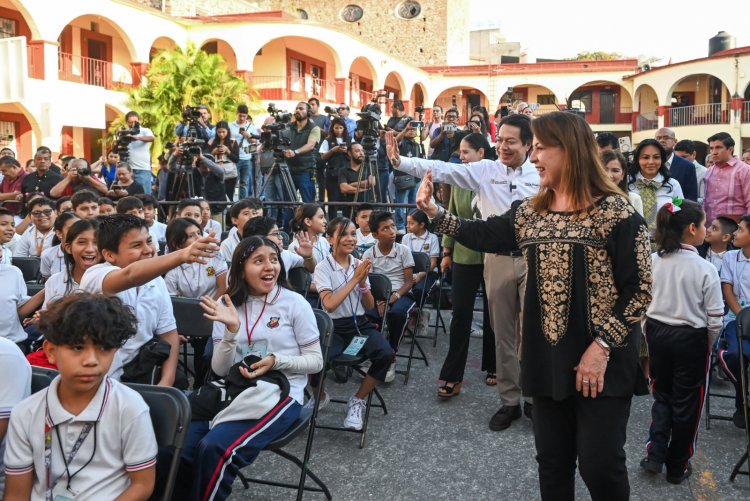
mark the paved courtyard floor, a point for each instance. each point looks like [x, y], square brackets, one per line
[427, 449]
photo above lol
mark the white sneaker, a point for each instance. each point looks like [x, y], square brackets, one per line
[391, 374]
[355, 410]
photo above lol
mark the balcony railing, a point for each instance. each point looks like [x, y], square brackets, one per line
[647, 121]
[745, 112]
[700, 114]
[87, 70]
[292, 88]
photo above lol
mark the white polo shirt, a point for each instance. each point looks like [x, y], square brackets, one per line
[228, 245]
[214, 226]
[7, 257]
[734, 271]
[158, 232]
[427, 243]
[57, 287]
[15, 374]
[140, 152]
[195, 279]
[53, 261]
[321, 248]
[125, 441]
[13, 294]
[392, 264]
[291, 260]
[331, 276]
[26, 246]
[151, 305]
[363, 239]
[282, 322]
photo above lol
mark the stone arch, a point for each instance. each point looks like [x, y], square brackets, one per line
[222, 48]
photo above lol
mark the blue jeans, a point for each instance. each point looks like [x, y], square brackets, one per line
[383, 179]
[244, 174]
[144, 178]
[304, 183]
[408, 196]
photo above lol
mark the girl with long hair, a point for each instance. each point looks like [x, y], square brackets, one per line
[226, 152]
[334, 152]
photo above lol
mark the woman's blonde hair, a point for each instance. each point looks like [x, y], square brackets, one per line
[583, 175]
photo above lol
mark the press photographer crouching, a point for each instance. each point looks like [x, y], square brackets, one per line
[193, 173]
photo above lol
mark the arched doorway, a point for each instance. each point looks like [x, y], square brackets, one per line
[603, 102]
[699, 99]
[361, 82]
[463, 99]
[222, 48]
[647, 103]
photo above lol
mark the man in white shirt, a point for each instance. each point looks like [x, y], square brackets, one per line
[139, 156]
[242, 131]
[497, 184]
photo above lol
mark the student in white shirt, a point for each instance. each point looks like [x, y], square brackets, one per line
[85, 204]
[684, 315]
[109, 422]
[15, 304]
[419, 239]
[257, 316]
[365, 240]
[53, 259]
[130, 273]
[157, 230]
[207, 224]
[239, 214]
[193, 279]
[718, 240]
[311, 219]
[38, 237]
[345, 294]
[263, 226]
[15, 383]
[7, 234]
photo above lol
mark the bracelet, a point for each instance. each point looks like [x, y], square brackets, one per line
[604, 346]
[398, 296]
[364, 290]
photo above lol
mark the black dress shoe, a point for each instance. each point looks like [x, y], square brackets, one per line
[677, 479]
[506, 415]
[738, 418]
[528, 408]
[651, 465]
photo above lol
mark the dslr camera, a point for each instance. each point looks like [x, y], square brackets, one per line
[123, 138]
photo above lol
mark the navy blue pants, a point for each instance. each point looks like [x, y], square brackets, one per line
[376, 348]
[211, 458]
[398, 314]
[729, 356]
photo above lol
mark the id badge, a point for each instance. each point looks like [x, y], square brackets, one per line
[60, 497]
[355, 346]
[258, 348]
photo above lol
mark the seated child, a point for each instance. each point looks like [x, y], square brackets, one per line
[239, 214]
[157, 230]
[207, 224]
[7, 233]
[130, 205]
[736, 288]
[106, 206]
[15, 383]
[116, 446]
[344, 290]
[15, 305]
[263, 226]
[395, 261]
[53, 259]
[38, 237]
[419, 239]
[365, 240]
[85, 204]
[309, 224]
[718, 240]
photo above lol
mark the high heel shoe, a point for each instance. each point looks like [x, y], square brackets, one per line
[449, 390]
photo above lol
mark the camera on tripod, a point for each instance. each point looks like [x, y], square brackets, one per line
[191, 113]
[369, 125]
[123, 138]
[281, 116]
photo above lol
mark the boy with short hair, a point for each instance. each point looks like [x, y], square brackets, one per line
[85, 204]
[106, 206]
[157, 230]
[396, 262]
[362, 221]
[131, 274]
[189, 207]
[7, 234]
[264, 226]
[718, 240]
[132, 206]
[39, 236]
[102, 427]
[63, 204]
[240, 214]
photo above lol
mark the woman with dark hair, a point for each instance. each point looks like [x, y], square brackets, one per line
[617, 168]
[490, 129]
[334, 152]
[587, 286]
[226, 152]
[650, 179]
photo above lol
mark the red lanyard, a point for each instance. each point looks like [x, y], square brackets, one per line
[250, 332]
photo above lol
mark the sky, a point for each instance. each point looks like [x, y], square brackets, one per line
[562, 28]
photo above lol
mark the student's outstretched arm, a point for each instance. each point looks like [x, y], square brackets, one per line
[141, 485]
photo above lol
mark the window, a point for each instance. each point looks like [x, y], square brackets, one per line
[545, 99]
[7, 28]
[296, 73]
[408, 10]
[352, 13]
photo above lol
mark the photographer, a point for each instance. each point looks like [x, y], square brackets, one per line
[441, 138]
[78, 177]
[106, 169]
[203, 123]
[125, 185]
[226, 152]
[139, 152]
[354, 185]
[304, 135]
[200, 169]
[242, 131]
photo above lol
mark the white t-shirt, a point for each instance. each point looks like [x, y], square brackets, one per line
[321, 248]
[195, 279]
[26, 246]
[158, 232]
[53, 261]
[284, 325]
[151, 305]
[363, 239]
[15, 385]
[13, 294]
[331, 276]
[391, 265]
[125, 441]
[57, 287]
[140, 152]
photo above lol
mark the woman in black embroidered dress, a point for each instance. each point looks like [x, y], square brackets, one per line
[588, 284]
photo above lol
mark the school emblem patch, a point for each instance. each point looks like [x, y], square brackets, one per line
[211, 271]
[273, 323]
[426, 246]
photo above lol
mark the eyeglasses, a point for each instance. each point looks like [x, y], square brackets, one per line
[275, 234]
[46, 212]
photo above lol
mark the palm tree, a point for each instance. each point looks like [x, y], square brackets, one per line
[177, 78]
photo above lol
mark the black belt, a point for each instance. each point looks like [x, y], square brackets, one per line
[514, 253]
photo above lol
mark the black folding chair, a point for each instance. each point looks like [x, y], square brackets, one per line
[743, 332]
[421, 264]
[170, 417]
[299, 279]
[380, 286]
[41, 378]
[33, 289]
[188, 315]
[285, 239]
[29, 266]
[306, 420]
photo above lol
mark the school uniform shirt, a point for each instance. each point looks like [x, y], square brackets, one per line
[291, 260]
[331, 276]
[195, 279]
[214, 226]
[715, 258]
[685, 290]
[427, 243]
[363, 239]
[321, 248]
[734, 272]
[53, 261]
[7, 257]
[57, 287]
[31, 240]
[230, 243]
[15, 374]
[392, 264]
[14, 241]
[120, 441]
[13, 293]
[158, 232]
[281, 322]
[151, 305]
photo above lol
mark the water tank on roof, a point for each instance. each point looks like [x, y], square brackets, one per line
[721, 41]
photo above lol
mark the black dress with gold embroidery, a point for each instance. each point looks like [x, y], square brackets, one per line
[589, 275]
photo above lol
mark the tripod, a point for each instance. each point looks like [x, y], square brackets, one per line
[287, 183]
[183, 184]
[370, 165]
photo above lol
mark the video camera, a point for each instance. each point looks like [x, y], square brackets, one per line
[369, 125]
[123, 138]
[271, 137]
[191, 113]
